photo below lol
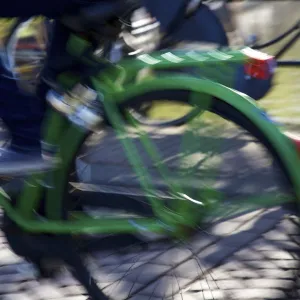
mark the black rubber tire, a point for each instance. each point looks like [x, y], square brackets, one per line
[143, 120]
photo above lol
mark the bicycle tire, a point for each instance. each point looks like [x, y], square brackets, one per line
[141, 119]
[220, 108]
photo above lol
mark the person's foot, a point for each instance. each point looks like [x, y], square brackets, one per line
[18, 163]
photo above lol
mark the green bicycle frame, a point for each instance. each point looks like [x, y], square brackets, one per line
[117, 87]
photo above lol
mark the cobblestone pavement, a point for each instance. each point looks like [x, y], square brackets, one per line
[251, 256]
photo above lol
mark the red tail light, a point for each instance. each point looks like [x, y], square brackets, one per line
[259, 64]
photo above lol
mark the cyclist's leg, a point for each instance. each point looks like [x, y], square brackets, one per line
[22, 115]
[59, 61]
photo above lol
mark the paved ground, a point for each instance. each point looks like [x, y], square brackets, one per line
[252, 256]
[217, 155]
[255, 256]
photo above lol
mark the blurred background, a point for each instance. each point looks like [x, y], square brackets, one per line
[267, 20]
[263, 19]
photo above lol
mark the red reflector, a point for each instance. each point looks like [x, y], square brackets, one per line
[259, 64]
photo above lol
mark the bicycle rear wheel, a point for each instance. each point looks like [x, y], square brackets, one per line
[219, 149]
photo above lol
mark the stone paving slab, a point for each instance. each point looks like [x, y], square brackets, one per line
[251, 256]
[236, 164]
[248, 261]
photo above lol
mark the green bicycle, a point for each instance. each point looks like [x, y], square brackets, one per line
[59, 210]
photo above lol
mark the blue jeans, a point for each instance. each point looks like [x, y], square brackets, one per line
[23, 114]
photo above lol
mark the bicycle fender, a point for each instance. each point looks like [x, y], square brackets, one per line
[238, 100]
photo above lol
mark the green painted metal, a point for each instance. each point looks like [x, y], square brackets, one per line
[55, 197]
[240, 101]
[245, 205]
[116, 85]
[32, 193]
